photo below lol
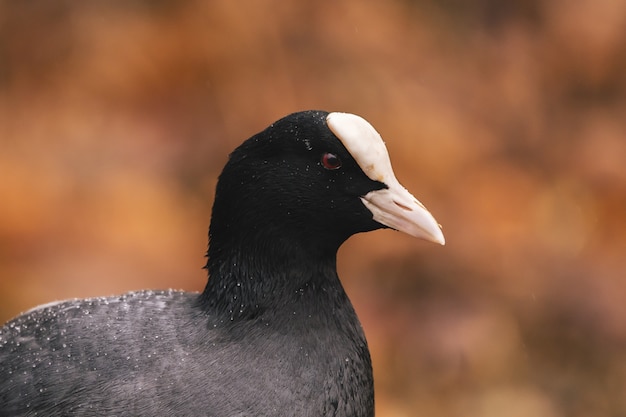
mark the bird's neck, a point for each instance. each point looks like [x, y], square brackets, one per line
[293, 291]
[250, 277]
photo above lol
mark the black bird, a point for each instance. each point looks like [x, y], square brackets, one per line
[273, 333]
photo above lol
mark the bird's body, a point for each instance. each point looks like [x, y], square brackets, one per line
[273, 333]
[116, 370]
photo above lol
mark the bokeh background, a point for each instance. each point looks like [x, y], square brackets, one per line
[506, 118]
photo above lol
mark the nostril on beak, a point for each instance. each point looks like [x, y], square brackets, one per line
[402, 206]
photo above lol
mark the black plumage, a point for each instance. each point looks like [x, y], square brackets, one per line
[273, 333]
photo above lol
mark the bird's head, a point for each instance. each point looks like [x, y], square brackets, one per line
[316, 176]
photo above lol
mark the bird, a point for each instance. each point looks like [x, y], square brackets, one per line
[273, 333]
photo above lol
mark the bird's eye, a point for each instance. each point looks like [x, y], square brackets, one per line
[331, 161]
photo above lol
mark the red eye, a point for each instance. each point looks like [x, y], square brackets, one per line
[331, 161]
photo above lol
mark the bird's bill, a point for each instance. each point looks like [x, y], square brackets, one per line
[396, 208]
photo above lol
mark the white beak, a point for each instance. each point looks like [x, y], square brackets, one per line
[396, 208]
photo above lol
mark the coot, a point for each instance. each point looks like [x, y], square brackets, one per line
[273, 332]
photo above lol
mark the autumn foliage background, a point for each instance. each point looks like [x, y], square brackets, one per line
[507, 119]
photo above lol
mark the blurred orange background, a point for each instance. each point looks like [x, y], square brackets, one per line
[507, 119]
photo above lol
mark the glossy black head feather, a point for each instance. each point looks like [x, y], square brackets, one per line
[274, 187]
